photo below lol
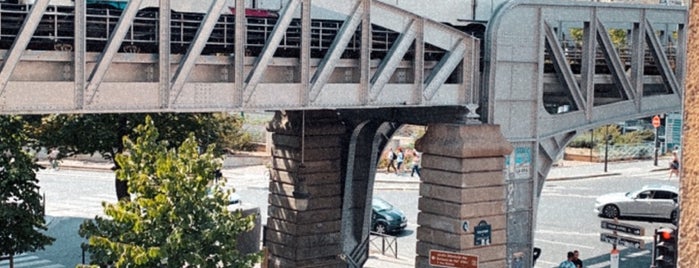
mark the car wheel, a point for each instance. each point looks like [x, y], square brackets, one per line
[380, 228]
[610, 211]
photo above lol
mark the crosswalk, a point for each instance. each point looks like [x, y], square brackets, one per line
[28, 260]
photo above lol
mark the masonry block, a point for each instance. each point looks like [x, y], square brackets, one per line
[464, 141]
[456, 225]
[452, 240]
[462, 211]
[323, 262]
[328, 227]
[462, 180]
[294, 252]
[318, 190]
[314, 203]
[463, 165]
[463, 195]
[305, 217]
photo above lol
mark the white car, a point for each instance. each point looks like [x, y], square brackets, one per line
[651, 201]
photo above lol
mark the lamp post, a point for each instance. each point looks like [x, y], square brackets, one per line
[606, 147]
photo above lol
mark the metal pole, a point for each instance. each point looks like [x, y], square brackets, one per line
[606, 146]
[655, 159]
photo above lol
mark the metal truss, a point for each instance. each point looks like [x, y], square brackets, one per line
[116, 79]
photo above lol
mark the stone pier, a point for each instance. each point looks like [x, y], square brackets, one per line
[305, 200]
[463, 190]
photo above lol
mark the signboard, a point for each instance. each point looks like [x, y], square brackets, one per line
[523, 162]
[481, 234]
[622, 240]
[656, 121]
[440, 258]
[623, 227]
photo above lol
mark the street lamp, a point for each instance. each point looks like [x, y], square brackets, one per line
[606, 147]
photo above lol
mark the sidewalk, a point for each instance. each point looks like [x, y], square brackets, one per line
[564, 170]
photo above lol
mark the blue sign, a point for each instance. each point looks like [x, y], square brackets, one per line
[482, 233]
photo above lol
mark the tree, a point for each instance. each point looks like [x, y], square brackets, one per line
[21, 209]
[178, 216]
[102, 133]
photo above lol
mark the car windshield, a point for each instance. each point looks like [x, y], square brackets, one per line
[380, 204]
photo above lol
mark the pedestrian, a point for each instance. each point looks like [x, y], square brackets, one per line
[576, 259]
[674, 166]
[417, 158]
[568, 263]
[399, 160]
[391, 158]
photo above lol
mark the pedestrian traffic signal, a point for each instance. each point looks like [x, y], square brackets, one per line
[665, 248]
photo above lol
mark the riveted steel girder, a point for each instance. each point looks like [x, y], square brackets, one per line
[194, 76]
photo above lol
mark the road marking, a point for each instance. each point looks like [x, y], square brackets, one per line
[563, 244]
[550, 194]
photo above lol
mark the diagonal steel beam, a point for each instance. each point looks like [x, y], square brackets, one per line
[305, 54]
[262, 62]
[31, 22]
[661, 62]
[194, 51]
[563, 70]
[393, 57]
[79, 29]
[327, 65]
[612, 59]
[587, 65]
[638, 52]
[164, 55]
[444, 68]
[239, 56]
[111, 49]
[365, 54]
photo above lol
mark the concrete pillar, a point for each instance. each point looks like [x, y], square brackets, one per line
[689, 158]
[463, 184]
[305, 200]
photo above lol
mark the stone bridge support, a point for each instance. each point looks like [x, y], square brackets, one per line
[463, 190]
[305, 199]
[321, 185]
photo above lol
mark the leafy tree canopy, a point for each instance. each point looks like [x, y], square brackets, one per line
[102, 133]
[21, 210]
[178, 216]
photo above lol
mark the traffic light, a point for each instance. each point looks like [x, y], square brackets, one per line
[665, 248]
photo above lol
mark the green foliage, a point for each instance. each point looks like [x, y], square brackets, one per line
[178, 216]
[615, 137]
[618, 36]
[102, 133]
[21, 209]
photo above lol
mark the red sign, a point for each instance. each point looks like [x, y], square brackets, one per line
[656, 121]
[440, 258]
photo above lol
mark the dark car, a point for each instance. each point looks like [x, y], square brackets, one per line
[385, 218]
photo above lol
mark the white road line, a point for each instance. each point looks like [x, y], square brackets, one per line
[562, 243]
[544, 193]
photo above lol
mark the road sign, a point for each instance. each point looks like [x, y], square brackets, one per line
[622, 240]
[656, 121]
[481, 234]
[440, 258]
[623, 227]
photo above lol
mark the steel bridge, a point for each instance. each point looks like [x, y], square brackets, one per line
[543, 70]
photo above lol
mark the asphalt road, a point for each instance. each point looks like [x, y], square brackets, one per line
[565, 219]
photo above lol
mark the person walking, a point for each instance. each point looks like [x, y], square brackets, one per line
[417, 158]
[568, 263]
[576, 259]
[391, 158]
[399, 160]
[674, 166]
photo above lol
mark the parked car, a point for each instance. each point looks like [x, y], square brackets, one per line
[385, 218]
[651, 201]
